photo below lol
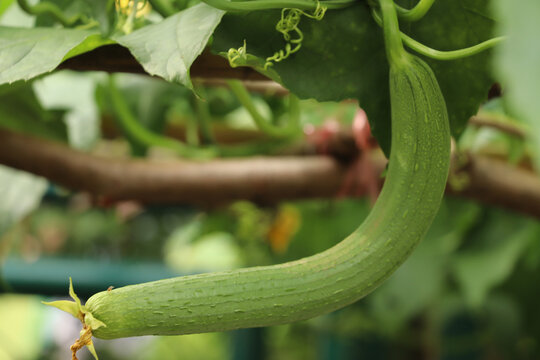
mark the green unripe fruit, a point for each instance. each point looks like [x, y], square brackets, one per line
[270, 295]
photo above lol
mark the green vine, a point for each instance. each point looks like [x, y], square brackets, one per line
[416, 13]
[439, 54]
[134, 130]
[291, 129]
[452, 54]
[204, 117]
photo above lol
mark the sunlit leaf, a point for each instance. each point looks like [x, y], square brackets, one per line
[27, 53]
[168, 48]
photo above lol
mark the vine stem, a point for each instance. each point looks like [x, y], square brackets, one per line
[204, 117]
[244, 97]
[416, 13]
[397, 56]
[143, 136]
[277, 4]
[452, 54]
[442, 54]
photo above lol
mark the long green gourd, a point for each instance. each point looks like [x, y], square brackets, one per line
[270, 295]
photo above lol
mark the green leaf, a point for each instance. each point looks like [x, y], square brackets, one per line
[74, 92]
[68, 7]
[90, 43]
[104, 13]
[167, 49]
[27, 53]
[517, 62]
[491, 258]
[4, 5]
[343, 56]
[21, 111]
[20, 193]
[478, 272]
[99, 10]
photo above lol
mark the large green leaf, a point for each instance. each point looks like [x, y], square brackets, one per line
[27, 53]
[518, 61]
[343, 56]
[168, 48]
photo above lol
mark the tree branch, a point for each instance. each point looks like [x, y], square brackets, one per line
[259, 179]
[510, 129]
[205, 183]
[492, 181]
[116, 58]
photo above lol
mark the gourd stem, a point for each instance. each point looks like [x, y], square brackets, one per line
[277, 4]
[416, 13]
[440, 54]
[244, 97]
[394, 46]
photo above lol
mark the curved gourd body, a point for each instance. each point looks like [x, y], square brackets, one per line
[270, 295]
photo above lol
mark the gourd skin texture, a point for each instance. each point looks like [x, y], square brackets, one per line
[270, 295]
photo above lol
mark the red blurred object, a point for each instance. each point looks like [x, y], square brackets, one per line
[362, 177]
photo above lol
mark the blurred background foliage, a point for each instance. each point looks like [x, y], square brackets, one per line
[468, 291]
